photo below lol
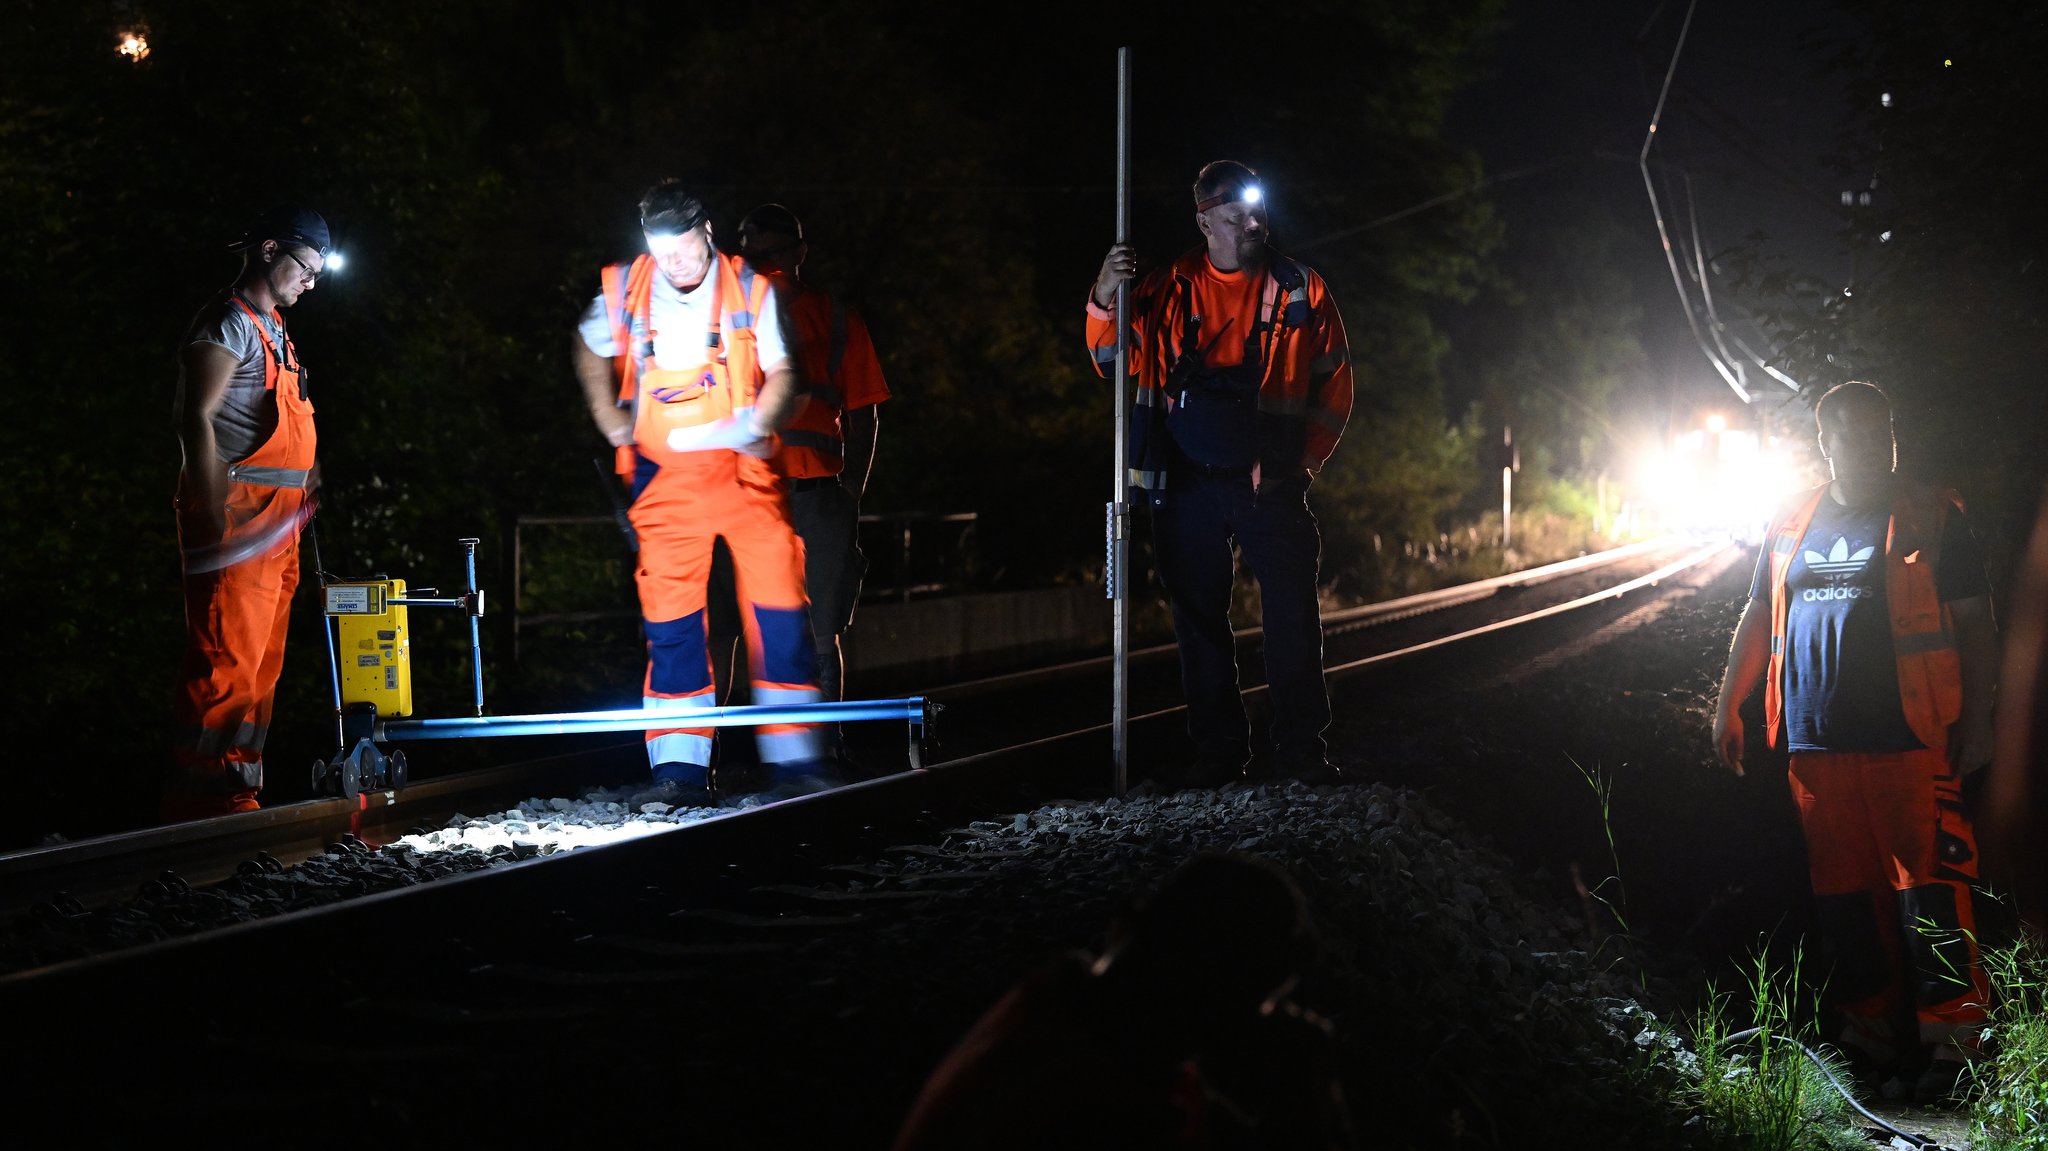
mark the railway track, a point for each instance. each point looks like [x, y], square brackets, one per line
[996, 742]
[516, 945]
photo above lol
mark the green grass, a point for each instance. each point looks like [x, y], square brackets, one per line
[2008, 1090]
[1767, 1085]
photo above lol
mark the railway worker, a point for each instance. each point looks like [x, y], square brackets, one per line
[682, 359]
[827, 449]
[1869, 623]
[1243, 387]
[244, 421]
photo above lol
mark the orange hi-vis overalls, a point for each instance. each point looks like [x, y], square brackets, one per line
[236, 613]
[683, 502]
[1891, 851]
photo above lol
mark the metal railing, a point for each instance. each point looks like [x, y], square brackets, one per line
[919, 553]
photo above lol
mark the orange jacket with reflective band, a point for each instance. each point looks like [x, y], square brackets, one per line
[1923, 635]
[836, 360]
[739, 293]
[1305, 383]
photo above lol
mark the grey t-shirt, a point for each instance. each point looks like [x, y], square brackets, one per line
[248, 412]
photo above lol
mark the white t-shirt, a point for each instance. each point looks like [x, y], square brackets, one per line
[680, 319]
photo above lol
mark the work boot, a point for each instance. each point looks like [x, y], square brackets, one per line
[676, 785]
[1941, 1083]
[800, 777]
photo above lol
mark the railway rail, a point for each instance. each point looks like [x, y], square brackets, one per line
[996, 742]
[486, 1000]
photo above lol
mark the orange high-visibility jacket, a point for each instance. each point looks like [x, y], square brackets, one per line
[628, 292]
[1923, 634]
[1305, 386]
[835, 359]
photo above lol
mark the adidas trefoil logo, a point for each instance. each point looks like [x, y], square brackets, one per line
[1839, 562]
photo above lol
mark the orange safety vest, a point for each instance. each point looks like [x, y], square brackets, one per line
[1305, 386]
[665, 399]
[1923, 634]
[814, 442]
[285, 460]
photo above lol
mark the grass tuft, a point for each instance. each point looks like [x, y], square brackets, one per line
[2008, 1089]
[1765, 1084]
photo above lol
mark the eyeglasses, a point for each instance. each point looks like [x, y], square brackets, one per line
[307, 273]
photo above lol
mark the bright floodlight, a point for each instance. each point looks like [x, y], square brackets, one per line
[135, 46]
[1725, 484]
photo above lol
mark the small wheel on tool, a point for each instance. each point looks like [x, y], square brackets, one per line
[350, 778]
[397, 773]
[320, 784]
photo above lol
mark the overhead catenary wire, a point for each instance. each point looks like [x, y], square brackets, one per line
[1722, 359]
[1715, 324]
[1699, 260]
[1657, 211]
[1432, 202]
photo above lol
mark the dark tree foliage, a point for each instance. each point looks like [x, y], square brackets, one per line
[480, 161]
[1557, 359]
[1946, 311]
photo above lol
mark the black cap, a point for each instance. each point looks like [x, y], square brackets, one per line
[773, 218]
[291, 226]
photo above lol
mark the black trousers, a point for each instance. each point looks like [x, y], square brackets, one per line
[1193, 532]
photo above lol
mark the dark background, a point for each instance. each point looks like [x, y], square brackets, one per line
[1464, 174]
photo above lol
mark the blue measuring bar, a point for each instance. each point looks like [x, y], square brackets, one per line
[915, 709]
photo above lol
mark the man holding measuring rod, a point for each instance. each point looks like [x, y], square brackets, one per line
[1242, 389]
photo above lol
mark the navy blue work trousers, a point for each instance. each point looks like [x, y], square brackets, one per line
[1192, 536]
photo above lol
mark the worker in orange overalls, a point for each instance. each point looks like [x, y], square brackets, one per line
[1869, 623]
[1243, 387]
[245, 426]
[827, 449]
[682, 360]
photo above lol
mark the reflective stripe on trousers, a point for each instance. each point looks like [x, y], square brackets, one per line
[677, 517]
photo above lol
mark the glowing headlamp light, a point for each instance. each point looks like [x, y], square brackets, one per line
[1230, 194]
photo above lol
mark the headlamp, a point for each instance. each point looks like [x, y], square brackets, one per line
[1230, 194]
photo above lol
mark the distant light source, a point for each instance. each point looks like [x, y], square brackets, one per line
[1884, 237]
[1947, 63]
[1716, 481]
[1717, 423]
[134, 45]
[1885, 99]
